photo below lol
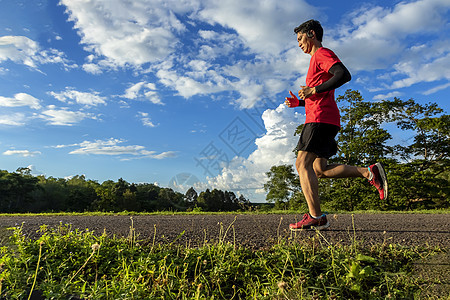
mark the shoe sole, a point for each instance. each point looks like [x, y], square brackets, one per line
[384, 179]
[312, 227]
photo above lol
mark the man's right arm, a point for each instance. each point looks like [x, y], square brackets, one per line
[293, 101]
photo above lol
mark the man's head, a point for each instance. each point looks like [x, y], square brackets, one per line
[309, 27]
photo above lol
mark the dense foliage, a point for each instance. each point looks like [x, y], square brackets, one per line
[417, 162]
[22, 192]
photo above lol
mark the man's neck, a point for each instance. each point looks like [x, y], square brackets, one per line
[317, 45]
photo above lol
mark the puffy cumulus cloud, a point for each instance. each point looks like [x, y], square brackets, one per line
[16, 119]
[114, 147]
[250, 34]
[190, 81]
[422, 66]
[138, 32]
[249, 47]
[143, 90]
[63, 116]
[247, 175]
[92, 68]
[23, 50]
[72, 96]
[266, 27]
[375, 37]
[23, 153]
[128, 32]
[20, 99]
[19, 49]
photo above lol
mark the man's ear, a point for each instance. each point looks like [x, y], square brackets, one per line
[310, 34]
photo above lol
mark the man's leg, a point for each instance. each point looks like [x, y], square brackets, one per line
[309, 181]
[375, 174]
[324, 170]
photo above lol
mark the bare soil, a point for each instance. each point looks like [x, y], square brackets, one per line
[254, 231]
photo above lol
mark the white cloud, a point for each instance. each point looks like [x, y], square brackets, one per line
[83, 98]
[150, 32]
[127, 32]
[188, 86]
[19, 49]
[63, 116]
[143, 90]
[20, 99]
[265, 27]
[375, 37]
[23, 153]
[275, 147]
[92, 68]
[23, 50]
[422, 68]
[107, 147]
[113, 147]
[249, 47]
[436, 89]
[145, 119]
[387, 96]
[17, 119]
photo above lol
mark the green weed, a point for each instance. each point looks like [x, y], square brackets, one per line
[66, 262]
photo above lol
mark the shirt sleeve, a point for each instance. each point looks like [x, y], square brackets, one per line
[326, 59]
[340, 76]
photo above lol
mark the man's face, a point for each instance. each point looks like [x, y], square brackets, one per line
[304, 42]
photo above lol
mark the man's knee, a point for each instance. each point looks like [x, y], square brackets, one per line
[304, 161]
[319, 169]
[319, 172]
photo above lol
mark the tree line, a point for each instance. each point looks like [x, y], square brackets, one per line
[20, 191]
[417, 161]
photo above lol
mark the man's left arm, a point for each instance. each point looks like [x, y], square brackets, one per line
[340, 76]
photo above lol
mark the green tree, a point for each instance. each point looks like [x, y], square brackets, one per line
[106, 198]
[82, 193]
[191, 197]
[420, 179]
[418, 172]
[16, 190]
[147, 195]
[282, 185]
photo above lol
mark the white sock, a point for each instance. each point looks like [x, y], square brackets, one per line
[370, 174]
[316, 217]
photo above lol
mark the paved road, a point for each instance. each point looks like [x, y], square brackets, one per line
[255, 231]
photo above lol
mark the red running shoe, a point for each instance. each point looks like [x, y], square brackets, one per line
[379, 180]
[309, 222]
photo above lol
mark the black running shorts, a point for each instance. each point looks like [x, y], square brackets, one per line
[318, 138]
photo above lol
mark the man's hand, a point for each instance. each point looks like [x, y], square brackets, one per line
[306, 92]
[292, 101]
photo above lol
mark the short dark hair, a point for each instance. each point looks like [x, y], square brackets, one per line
[313, 25]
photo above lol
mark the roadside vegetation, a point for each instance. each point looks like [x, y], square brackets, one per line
[66, 263]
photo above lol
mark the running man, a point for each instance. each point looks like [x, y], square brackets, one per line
[317, 139]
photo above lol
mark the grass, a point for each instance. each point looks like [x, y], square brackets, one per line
[272, 211]
[66, 262]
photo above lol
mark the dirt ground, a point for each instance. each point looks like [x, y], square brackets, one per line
[255, 231]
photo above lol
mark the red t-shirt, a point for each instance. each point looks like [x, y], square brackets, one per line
[321, 108]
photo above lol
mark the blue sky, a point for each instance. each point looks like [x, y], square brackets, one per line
[173, 91]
